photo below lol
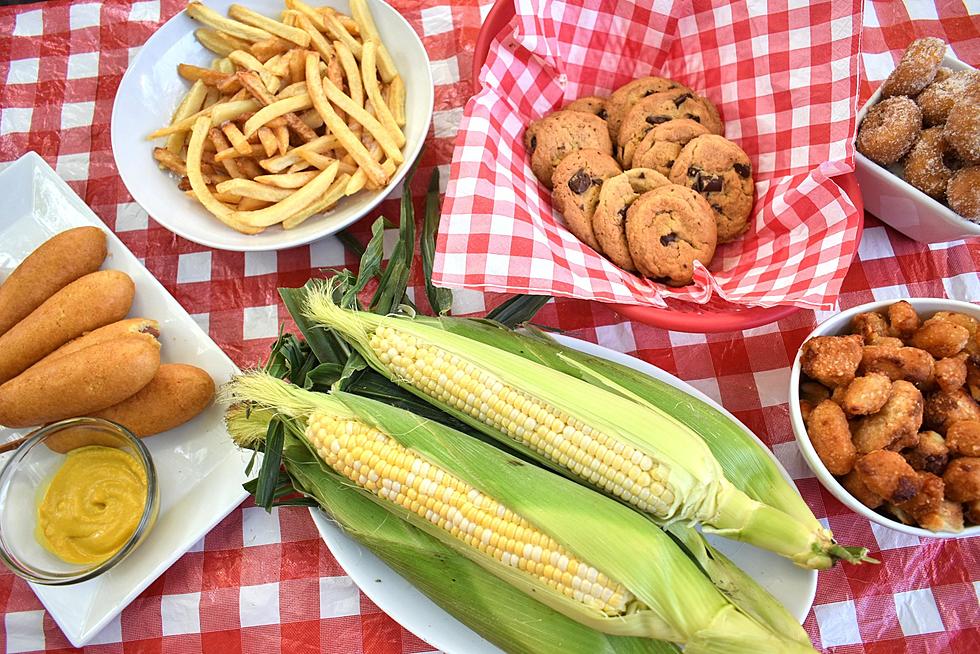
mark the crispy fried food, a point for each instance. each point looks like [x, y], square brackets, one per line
[949, 517]
[806, 407]
[908, 363]
[971, 324]
[951, 372]
[865, 395]
[904, 441]
[903, 319]
[940, 338]
[901, 415]
[853, 484]
[930, 455]
[888, 475]
[973, 380]
[831, 437]
[943, 408]
[963, 438]
[831, 360]
[814, 392]
[962, 479]
[871, 325]
[928, 500]
[972, 510]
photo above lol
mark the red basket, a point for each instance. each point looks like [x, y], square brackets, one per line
[713, 317]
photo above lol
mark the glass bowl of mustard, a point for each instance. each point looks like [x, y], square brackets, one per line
[76, 498]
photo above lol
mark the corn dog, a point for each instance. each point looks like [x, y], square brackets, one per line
[87, 303]
[140, 327]
[79, 383]
[60, 260]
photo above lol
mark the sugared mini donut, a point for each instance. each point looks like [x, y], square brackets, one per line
[963, 193]
[940, 96]
[917, 68]
[963, 126]
[889, 130]
[925, 166]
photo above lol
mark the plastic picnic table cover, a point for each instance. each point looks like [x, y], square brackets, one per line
[263, 583]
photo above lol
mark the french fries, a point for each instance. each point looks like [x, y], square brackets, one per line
[295, 113]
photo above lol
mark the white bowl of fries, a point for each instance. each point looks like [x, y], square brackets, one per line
[271, 123]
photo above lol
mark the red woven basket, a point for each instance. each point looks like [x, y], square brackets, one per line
[715, 316]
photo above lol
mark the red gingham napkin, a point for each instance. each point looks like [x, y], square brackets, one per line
[785, 78]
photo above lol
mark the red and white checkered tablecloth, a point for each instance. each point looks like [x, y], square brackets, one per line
[266, 583]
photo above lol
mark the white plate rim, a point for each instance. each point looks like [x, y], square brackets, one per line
[79, 633]
[417, 613]
[284, 239]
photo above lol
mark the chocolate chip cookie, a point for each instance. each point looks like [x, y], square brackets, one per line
[721, 172]
[609, 219]
[576, 183]
[627, 95]
[659, 108]
[662, 144]
[591, 104]
[917, 69]
[889, 130]
[552, 138]
[668, 229]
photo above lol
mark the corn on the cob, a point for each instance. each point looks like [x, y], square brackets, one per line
[503, 614]
[487, 506]
[634, 452]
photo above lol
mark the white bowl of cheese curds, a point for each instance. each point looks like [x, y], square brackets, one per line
[839, 325]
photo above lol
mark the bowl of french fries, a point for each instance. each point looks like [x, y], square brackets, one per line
[268, 124]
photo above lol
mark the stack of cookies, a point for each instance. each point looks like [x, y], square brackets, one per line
[928, 124]
[645, 176]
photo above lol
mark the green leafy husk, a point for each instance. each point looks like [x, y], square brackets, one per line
[674, 600]
[440, 299]
[700, 489]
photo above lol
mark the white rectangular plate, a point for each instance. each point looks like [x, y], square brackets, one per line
[200, 471]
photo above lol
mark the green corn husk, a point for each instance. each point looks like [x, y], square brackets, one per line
[674, 601]
[499, 612]
[700, 490]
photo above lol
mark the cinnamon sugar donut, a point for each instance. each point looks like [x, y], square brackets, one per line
[938, 98]
[962, 130]
[963, 193]
[917, 68]
[926, 167]
[889, 129]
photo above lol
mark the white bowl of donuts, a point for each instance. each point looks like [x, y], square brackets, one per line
[918, 152]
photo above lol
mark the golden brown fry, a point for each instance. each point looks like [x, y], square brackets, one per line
[294, 89]
[271, 26]
[349, 24]
[369, 32]
[278, 65]
[308, 11]
[195, 147]
[247, 61]
[191, 104]
[218, 113]
[170, 161]
[222, 145]
[211, 18]
[320, 144]
[316, 159]
[224, 65]
[268, 140]
[317, 42]
[299, 167]
[297, 63]
[299, 199]
[396, 99]
[237, 139]
[219, 42]
[311, 118]
[211, 97]
[336, 125]
[227, 198]
[370, 123]
[330, 198]
[369, 76]
[288, 180]
[265, 50]
[359, 180]
[251, 204]
[252, 83]
[254, 150]
[249, 167]
[276, 109]
[351, 72]
[282, 136]
[247, 188]
[338, 32]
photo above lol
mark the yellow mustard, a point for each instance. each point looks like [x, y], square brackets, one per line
[92, 505]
